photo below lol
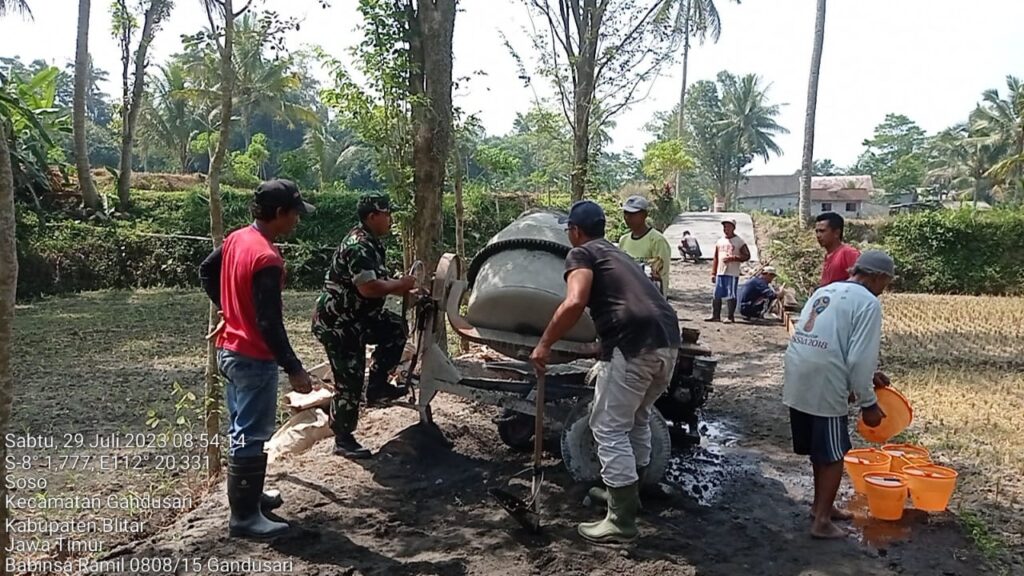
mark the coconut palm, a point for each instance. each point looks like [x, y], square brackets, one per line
[330, 152]
[1000, 122]
[89, 195]
[960, 159]
[748, 121]
[18, 6]
[170, 115]
[698, 19]
[807, 161]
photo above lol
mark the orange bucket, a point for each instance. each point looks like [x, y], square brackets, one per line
[863, 460]
[898, 415]
[931, 486]
[887, 493]
[904, 455]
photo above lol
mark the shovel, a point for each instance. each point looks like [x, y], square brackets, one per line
[526, 512]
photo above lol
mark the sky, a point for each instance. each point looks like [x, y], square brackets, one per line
[927, 59]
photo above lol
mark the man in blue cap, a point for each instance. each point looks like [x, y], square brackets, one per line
[639, 334]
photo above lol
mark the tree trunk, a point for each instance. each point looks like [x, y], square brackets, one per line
[581, 143]
[89, 196]
[8, 289]
[680, 123]
[431, 47]
[460, 223]
[133, 106]
[213, 384]
[812, 105]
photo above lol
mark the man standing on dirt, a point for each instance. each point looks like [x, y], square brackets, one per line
[639, 335]
[244, 278]
[645, 244]
[730, 252]
[350, 314]
[831, 361]
[839, 256]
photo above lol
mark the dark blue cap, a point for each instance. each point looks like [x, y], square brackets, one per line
[584, 214]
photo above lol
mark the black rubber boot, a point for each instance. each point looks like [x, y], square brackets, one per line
[246, 476]
[378, 391]
[716, 311]
[345, 444]
[270, 500]
[732, 310]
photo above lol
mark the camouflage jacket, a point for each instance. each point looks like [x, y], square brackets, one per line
[359, 258]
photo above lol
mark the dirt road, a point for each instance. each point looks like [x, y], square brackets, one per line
[419, 508]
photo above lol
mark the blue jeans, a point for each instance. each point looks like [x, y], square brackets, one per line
[252, 401]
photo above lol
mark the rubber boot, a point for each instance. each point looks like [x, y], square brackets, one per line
[619, 524]
[599, 494]
[345, 444]
[716, 311]
[246, 476]
[270, 500]
[379, 392]
[732, 310]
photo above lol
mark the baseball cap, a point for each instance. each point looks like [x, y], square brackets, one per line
[876, 262]
[635, 204]
[729, 220]
[281, 193]
[373, 202]
[584, 213]
[769, 270]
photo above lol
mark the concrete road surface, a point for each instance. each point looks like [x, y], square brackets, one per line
[707, 227]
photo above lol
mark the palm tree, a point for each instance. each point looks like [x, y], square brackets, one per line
[960, 159]
[89, 196]
[19, 6]
[809, 119]
[1001, 121]
[170, 115]
[699, 19]
[330, 152]
[749, 122]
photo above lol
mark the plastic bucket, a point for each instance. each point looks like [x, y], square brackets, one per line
[904, 455]
[898, 415]
[863, 460]
[931, 486]
[887, 493]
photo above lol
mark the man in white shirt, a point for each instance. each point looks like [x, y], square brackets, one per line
[730, 252]
[831, 361]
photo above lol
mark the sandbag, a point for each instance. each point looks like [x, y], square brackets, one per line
[299, 434]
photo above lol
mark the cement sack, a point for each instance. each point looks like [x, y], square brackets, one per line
[299, 434]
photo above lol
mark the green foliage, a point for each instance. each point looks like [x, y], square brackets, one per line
[32, 123]
[895, 155]
[941, 252]
[663, 159]
[68, 256]
[957, 251]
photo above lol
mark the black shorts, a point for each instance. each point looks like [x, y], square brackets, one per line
[826, 439]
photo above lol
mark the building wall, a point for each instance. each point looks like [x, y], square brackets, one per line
[789, 203]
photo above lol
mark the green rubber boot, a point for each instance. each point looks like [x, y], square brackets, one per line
[599, 494]
[619, 524]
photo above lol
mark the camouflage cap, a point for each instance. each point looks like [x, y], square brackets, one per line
[373, 202]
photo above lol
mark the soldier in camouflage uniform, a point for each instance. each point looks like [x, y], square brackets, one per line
[350, 314]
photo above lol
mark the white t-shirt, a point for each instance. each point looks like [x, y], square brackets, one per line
[729, 247]
[834, 351]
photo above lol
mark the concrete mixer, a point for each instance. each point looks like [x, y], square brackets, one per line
[514, 286]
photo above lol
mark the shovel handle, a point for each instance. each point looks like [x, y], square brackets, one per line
[538, 424]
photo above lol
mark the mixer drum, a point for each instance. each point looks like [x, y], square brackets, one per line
[518, 280]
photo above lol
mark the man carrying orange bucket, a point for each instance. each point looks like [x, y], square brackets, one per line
[832, 355]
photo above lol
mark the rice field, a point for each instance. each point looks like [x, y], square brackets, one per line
[960, 362]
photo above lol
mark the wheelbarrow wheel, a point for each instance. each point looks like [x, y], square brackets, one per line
[579, 451]
[516, 430]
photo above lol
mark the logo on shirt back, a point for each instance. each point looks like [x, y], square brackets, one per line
[817, 308]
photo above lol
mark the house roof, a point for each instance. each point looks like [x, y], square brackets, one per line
[854, 187]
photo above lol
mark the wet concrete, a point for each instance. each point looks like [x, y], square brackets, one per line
[700, 471]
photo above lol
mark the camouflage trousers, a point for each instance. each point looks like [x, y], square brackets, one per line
[345, 343]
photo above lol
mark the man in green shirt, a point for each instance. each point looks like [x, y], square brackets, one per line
[643, 243]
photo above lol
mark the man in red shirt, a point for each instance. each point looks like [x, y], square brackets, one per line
[839, 256]
[244, 278]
